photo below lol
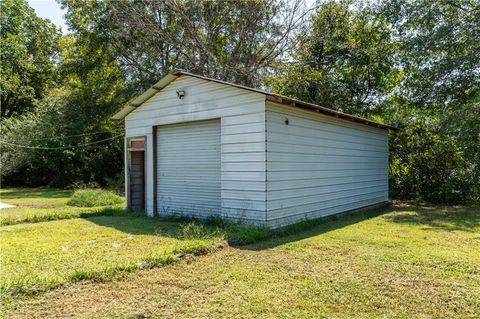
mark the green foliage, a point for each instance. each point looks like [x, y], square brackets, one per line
[194, 229]
[117, 183]
[439, 50]
[428, 165]
[435, 155]
[44, 147]
[69, 137]
[94, 198]
[28, 45]
[344, 61]
[233, 41]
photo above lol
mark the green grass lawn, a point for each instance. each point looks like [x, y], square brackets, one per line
[105, 243]
[43, 255]
[43, 204]
[406, 263]
[403, 262]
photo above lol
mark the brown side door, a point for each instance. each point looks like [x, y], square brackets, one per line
[137, 180]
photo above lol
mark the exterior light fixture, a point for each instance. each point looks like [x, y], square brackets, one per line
[180, 94]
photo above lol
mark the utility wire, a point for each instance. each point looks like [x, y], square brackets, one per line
[60, 147]
[76, 135]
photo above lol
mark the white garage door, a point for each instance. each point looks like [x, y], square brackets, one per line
[189, 168]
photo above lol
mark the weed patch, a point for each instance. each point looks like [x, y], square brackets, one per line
[94, 198]
[238, 235]
[197, 230]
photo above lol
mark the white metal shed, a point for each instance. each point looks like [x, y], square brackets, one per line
[215, 148]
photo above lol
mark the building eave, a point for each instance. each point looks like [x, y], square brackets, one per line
[276, 98]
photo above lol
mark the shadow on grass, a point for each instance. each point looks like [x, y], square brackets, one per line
[243, 237]
[254, 238]
[135, 223]
[440, 218]
[315, 227]
[181, 228]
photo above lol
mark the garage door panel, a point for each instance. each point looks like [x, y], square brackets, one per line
[189, 169]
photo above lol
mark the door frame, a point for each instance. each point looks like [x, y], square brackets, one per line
[136, 147]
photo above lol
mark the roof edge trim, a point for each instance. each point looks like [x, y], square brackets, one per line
[166, 80]
[145, 96]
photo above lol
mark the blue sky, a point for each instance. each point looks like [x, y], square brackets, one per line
[50, 9]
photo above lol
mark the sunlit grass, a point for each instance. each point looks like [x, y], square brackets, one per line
[402, 262]
[407, 262]
[39, 256]
[94, 198]
[44, 204]
[44, 243]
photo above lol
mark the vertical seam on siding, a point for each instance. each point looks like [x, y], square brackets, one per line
[266, 163]
[154, 169]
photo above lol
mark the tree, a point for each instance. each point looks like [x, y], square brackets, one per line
[28, 46]
[69, 138]
[413, 64]
[439, 49]
[441, 67]
[234, 40]
[345, 61]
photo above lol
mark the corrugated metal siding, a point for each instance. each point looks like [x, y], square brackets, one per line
[189, 169]
[242, 117]
[318, 165]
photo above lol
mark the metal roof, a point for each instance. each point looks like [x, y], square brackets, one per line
[166, 80]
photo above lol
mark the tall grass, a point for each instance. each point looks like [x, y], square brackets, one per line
[94, 198]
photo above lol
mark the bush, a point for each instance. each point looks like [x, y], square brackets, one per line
[426, 164]
[94, 197]
[53, 134]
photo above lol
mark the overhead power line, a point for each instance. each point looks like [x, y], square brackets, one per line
[60, 147]
[76, 135]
